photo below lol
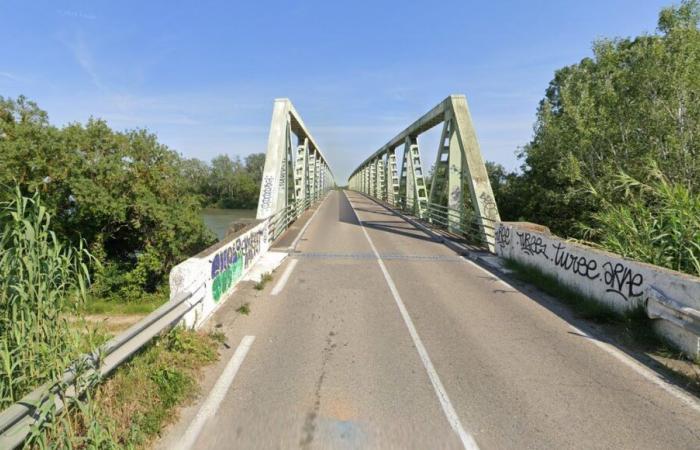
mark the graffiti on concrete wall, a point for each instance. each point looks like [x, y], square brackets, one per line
[267, 184]
[616, 276]
[503, 236]
[229, 264]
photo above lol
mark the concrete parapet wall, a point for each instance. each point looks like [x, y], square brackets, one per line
[673, 298]
[218, 269]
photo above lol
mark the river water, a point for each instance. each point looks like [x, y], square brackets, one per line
[218, 220]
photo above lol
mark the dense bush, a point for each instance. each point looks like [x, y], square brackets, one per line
[631, 111]
[122, 192]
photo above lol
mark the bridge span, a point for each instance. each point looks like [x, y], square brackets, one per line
[375, 335]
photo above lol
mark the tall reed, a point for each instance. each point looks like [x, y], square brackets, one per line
[655, 221]
[42, 281]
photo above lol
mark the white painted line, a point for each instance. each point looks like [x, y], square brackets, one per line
[217, 394]
[467, 440]
[642, 370]
[306, 225]
[630, 362]
[285, 277]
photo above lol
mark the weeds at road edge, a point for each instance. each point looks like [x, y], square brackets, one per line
[131, 407]
[264, 279]
[635, 325]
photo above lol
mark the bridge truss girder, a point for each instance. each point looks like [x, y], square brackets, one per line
[295, 173]
[459, 162]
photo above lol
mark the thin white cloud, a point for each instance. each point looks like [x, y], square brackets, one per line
[11, 76]
[83, 56]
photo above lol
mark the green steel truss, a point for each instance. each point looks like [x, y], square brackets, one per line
[459, 165]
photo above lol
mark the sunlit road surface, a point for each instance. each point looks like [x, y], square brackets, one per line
[420, 348]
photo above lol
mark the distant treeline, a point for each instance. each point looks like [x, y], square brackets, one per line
[135, 202]
[615, 157]
[226, 182]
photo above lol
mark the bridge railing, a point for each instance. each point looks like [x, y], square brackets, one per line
[200, 284]
[458, 162]
[459, 222]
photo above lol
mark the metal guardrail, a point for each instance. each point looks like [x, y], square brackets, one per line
[464, 223]
[16, 422]
[661, 306]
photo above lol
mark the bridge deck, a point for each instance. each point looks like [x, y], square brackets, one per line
[334, 364]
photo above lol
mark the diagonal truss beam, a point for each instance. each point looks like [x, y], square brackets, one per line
[294, 171]
[459, 163]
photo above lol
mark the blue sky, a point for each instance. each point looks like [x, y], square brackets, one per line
[203, 75]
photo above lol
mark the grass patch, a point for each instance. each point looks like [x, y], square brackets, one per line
[101, 306]
[264, 279]
[636, 325]
[244, 309]
[584, 306]
[130, 408]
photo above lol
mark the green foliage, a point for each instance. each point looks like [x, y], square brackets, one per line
[244, 309]
[264, 279]
[631, 112]
[42, 280]
[657, 222]
[227, 183]
[122, 192]
[131, 407]
[634, 100]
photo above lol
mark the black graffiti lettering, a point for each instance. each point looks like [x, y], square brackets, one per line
[268, 182]
[580, 265]
[622, 280]
[531, 244]
[503, 236]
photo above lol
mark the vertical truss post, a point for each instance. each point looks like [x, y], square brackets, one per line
[416, 194]
[446, 186]
[311, 189]
[301, 170]
[323, 178]
[372, 178]
[393, 177]
[381, 174]
[475, 172]
[318, 179]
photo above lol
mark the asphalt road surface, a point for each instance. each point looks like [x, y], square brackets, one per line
[420, 348]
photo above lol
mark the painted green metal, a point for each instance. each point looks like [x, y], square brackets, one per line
[459, 163]
[295, 172]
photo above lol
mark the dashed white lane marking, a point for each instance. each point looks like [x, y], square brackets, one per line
[285, 277]
[217, 394]
[467, 440]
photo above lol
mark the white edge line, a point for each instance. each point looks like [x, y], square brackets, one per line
[217, 394]
[468, 441]
[640, 369]
[285, 277]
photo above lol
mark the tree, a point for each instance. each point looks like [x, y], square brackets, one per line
[634, 101]
[120, 191]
